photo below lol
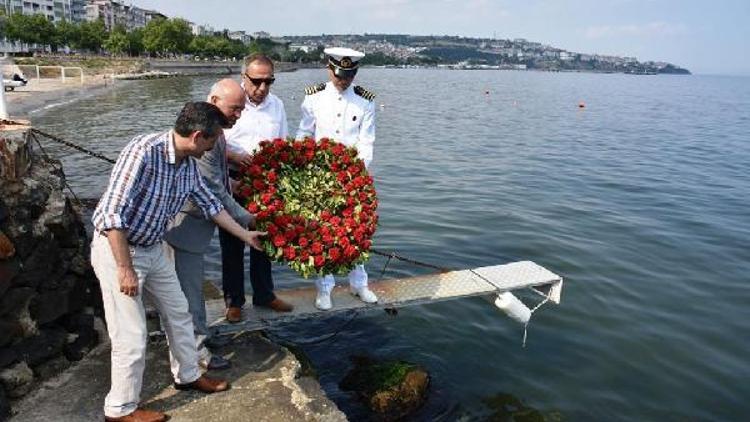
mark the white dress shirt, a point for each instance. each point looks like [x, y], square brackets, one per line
[341, 116]
[258, 122]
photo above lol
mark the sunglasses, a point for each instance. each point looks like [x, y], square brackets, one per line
[259, 81]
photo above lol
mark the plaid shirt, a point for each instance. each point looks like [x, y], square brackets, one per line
[146, 189]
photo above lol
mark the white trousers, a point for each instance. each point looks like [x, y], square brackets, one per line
[357, 279]
[126, 321]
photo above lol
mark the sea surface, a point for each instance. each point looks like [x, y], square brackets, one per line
[640, 200]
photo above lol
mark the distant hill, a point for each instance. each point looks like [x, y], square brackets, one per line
[390, 49]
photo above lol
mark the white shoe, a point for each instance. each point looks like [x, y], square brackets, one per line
[323, 301]
[365, 294]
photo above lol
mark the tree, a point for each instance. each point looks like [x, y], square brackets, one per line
[116, 43]
[68, 34]
[167, 36]
[93, 35]
[31, 29]
[135, 42]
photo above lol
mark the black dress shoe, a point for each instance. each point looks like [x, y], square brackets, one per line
[216, 363]
[214, 342]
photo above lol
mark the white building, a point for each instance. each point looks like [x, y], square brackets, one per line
[54, 10]
[117, 13]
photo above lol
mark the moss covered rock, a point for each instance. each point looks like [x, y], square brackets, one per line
[391, 389]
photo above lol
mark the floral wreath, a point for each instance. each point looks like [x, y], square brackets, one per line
[316, 201]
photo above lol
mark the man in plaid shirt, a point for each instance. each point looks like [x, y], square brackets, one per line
[153, 178]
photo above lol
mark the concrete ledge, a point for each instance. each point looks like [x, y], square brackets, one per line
[264, 377]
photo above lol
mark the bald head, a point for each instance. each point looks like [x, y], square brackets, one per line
[229, 97]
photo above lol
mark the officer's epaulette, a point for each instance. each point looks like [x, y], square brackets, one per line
[312, 89]
[367, 95]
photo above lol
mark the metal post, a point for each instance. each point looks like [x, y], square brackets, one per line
[37, 72]
[62, 72]
[3, 108]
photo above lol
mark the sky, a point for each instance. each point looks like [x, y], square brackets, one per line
[706, 37]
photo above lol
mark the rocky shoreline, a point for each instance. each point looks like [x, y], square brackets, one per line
[51, 318]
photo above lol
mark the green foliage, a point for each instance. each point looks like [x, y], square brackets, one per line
[167, 36]
[92, 35]
[116, 43]
[31, 29]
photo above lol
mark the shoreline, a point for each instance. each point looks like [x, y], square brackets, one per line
[39, 95]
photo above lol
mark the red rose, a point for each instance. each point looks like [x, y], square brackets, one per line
[255, 170]
[304, 256]
[290, 235]
[303, 242]
[327, 239]
[334, 254]
[365, 244]
[289, 253]
[279, 240]
[318, 261]
[351, 252]
[316, 248]
[271, 176]
[258, 185]
[272, 229]
[252, 207]
[335, 220]
[266, 198]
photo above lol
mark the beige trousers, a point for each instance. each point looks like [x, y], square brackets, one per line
[126, 321]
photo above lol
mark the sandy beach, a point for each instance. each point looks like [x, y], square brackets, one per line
[41, 94]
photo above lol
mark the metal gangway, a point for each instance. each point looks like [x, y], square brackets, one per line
[399, 292]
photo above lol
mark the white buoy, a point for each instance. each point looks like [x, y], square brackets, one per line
[513, 307]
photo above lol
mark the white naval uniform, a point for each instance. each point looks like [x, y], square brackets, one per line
[258, 122]
[345, 117]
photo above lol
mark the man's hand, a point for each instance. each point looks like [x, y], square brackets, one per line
[239, 158]
[128, 281]
[253, 239]
[245, 160]
[234, 185]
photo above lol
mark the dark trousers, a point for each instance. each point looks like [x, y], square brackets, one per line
[233, 272]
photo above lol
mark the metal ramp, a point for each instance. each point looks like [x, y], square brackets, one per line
[398, 292]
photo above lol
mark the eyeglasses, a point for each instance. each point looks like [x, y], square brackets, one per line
[259, 81]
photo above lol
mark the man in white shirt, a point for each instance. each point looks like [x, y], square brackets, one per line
[345, 113]
[263, 118]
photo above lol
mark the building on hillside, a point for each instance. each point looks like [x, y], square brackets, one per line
[153, 14]
[201, 29]
[54, 10]
[261, 34]
[116, 13]
[241, 36]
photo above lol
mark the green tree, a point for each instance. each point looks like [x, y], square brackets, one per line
[167, 36]
[117, 43]
[93, 35]
[68, 34]
[31, 29]
[135, 42]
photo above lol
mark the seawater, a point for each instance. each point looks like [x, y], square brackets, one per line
[639, 199]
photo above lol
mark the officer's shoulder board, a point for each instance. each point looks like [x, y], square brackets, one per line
[313, 89]
[367, 95]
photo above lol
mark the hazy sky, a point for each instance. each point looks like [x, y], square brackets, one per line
[703, 36]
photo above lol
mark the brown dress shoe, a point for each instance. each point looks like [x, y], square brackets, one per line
[234, 314]
[279, 305]
[204, 384]
[140, 415]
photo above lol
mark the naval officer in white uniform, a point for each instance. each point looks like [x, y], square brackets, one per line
[345, 113]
